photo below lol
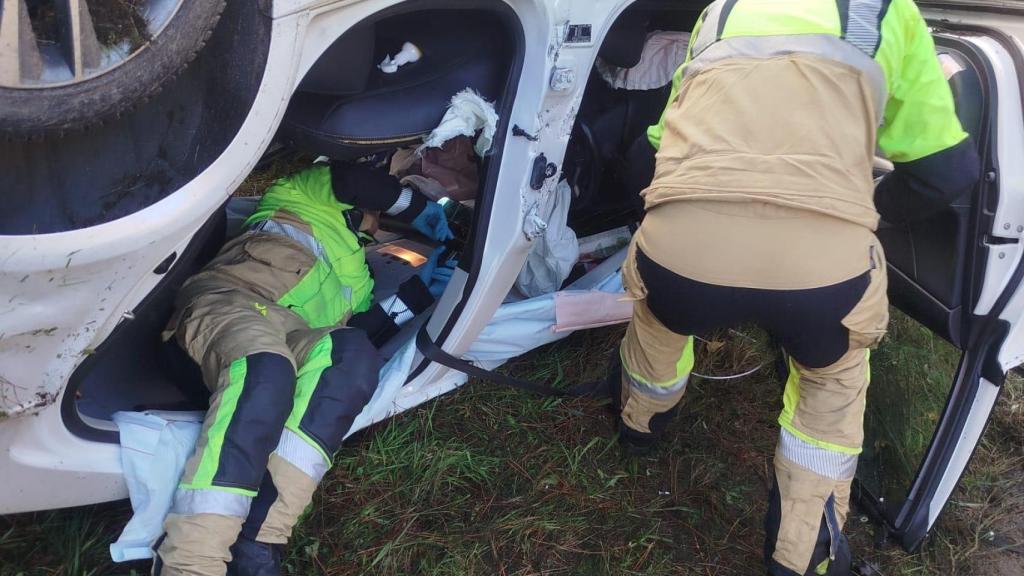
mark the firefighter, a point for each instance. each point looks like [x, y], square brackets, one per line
[763, 209]
[270, 321]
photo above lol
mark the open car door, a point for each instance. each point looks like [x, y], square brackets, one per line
[959, 274]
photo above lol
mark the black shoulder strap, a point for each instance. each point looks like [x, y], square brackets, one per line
[431, 351]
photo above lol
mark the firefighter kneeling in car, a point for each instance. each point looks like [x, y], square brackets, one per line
[762, 210]
[281, 324]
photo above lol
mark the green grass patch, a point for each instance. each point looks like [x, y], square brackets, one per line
[493, 481]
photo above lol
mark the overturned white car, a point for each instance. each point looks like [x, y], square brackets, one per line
[103, 215]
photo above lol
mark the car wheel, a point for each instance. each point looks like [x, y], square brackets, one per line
[66, 64]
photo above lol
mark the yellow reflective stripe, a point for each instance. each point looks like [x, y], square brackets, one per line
[683, 368]
[228, 489]
[307, 378]
[920, 117]
[790, 400]
[210, 460]
[822, 568]
[685, 364]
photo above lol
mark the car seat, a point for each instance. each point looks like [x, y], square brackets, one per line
[610, 121]
[346, 107]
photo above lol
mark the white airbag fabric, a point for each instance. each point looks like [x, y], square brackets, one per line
[555, 251]
[153, 455]
[467, 113]
[663, 54]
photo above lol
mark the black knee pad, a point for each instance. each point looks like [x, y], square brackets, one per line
[343, 390]
[256, 423]
[353, 352]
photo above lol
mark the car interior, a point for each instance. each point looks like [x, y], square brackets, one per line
[345, 108]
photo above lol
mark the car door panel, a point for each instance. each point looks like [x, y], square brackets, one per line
[959, 272]
[930, 257]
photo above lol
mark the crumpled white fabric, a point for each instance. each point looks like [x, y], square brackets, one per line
[518, 327]
[467, 113]
[555, 250]
[664, 52]
[154, 451]
[153, 454]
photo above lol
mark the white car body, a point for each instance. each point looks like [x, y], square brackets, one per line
[62, 294]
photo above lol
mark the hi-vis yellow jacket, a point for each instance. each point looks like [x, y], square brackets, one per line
[873, 65]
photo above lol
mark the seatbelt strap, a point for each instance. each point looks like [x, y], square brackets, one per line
[431, 351]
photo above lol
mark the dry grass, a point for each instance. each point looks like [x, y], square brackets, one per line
[272, 167]
[493, 481]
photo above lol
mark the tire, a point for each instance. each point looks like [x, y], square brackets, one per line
[43, 111]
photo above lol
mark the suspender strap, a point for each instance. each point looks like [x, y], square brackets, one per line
[723, 16]
[863, 24]
[843, 7]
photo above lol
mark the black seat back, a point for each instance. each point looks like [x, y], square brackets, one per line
[465, 49]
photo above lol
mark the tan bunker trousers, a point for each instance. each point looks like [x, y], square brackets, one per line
[826, 329]
[284, 396]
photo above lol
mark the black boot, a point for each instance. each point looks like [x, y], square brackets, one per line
[252, 558]
[634, 442]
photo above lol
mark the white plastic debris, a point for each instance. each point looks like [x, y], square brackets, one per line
[467, 113]
[663, 53]
[555, 249]
[410, 53]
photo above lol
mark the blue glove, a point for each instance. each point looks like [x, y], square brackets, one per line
[436, 274]
[432, 223]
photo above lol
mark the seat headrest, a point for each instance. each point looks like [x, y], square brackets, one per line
[624, 43]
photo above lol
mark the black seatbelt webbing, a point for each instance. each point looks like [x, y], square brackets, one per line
[431, 351]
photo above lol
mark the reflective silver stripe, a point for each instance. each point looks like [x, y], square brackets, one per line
[828, 463]
[403, 203]
[863, 26]
[397, 310]
[648, 389]
[709, 28]
[302, 455]
[191, 501]
[274, 227]
[823, 45]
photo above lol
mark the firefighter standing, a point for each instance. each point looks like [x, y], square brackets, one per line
[763, 209]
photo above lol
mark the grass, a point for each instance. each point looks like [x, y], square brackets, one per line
[492, 481]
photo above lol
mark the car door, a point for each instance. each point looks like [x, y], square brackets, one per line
[958, 274]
